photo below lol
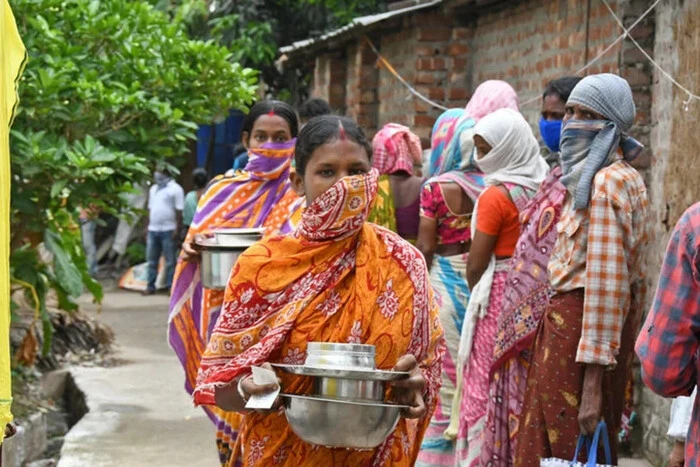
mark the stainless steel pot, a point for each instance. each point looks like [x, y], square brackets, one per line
[219, 254]
[349, 389]
[336, 355]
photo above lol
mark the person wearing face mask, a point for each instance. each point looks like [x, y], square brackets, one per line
[261, 195]
[509, 156]
[554, 99]
[583, 347]
[337, 278]
[165, 204]
[444, 237]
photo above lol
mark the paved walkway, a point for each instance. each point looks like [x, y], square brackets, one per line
[139, 412]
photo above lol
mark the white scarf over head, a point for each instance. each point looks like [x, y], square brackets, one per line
[515, 154]
[514, 158]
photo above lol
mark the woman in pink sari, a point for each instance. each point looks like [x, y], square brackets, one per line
[509, 155]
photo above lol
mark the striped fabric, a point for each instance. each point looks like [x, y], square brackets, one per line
[261, 196]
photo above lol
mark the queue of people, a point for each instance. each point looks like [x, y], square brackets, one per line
[515, 313]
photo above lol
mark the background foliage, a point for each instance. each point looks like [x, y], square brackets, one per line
[255, 29]
[111, 89]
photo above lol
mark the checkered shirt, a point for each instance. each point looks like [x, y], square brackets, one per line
[600, 249]
[669, 344]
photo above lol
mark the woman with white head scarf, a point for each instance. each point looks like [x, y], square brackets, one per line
[509, 156]
[583, 349]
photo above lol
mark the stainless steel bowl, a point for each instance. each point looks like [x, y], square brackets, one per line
[349, 389]
[340, 424]
[336, 355]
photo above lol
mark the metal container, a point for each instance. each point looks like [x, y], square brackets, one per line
[219, 254]
[336, 355]
[236, 237]
[349, 389]
[339, 423]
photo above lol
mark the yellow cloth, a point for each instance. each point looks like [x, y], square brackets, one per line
[12, 59]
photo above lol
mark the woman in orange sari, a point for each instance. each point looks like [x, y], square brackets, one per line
[259, 196]
[337, 278]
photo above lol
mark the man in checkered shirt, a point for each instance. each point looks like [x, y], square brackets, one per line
[584, 346]
[669, 344]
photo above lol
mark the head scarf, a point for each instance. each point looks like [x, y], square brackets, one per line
[590, 145]
[260, 196]
[395, 149]
[446, 151]
[452, 149]
[490, 96]
[515, 155]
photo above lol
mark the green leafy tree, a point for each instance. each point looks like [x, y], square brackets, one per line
[254, 30]
[111, 89]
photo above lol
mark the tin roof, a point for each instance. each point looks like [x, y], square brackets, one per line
[350, 30]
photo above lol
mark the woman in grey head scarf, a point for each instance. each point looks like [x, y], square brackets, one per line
[599, 113]
[595, 273]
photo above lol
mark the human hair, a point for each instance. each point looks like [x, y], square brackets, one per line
[279, 108]
[325, 129]
[314, 107]
[561, 87]
[200, 178]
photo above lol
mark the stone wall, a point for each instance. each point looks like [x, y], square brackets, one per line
[673, 178]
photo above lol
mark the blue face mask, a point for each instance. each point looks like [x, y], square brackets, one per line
[551, 132]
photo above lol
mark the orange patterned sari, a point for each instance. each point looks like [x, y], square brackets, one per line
[337, 279]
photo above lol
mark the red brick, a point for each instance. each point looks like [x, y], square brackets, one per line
[459, 64]
[425, 50]
[636, 77]
[423, 120]
[458, 94]
[434, 34]
[420, 106]
[461, 33]
[424, 77]
[456, 49]
[436, 93]
[643, 31]
[424, 64]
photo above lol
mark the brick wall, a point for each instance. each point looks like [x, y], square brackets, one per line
[362, 78]
[330, 77]
[445, 55]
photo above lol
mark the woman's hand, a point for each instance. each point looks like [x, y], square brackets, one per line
[410, 391]
[591, 409]
[677, 457]
[190, 250]
[250, 389]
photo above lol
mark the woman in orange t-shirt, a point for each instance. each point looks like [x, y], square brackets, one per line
[508, 153]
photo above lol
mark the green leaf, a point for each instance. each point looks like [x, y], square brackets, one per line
[66, 272]
[58, 187]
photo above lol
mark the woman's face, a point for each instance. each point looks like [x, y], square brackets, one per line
[579, 112]
[553, 108]
[482, 147]
[329, 163]
[267, 129]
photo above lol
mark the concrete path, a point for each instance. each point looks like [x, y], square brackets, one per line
[139, 412]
